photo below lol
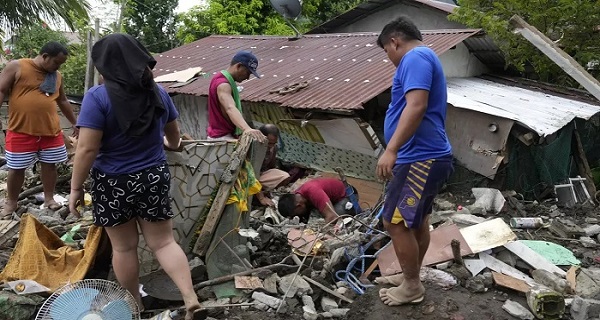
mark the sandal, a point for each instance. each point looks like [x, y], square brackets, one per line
[395, 297]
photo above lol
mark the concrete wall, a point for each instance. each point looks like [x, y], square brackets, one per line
[459, 62]
[425, 18]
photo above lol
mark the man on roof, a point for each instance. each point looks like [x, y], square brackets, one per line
[225, 117]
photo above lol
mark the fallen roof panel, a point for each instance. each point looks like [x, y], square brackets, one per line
[541, 112]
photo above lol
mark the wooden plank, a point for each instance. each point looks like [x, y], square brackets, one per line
[8, 229]
[533, 258]
[324, 288]
[364, 278]
[572, 277]
[503, 268]
[556, 54]
[247, 282]
[510, 282]
[228, 179]
[583, 165]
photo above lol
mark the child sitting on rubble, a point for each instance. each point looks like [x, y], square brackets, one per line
[328, 195]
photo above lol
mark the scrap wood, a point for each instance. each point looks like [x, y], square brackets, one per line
[8, 229]
[248, 282]
[572, 277]
[324, 288]
[440, 250]
[219, 280]
[364, 278]
[228, 179]
[40, 188]
[510, 282]
[533, 258]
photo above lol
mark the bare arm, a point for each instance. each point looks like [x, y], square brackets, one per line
[88, 146]
[172, 135]
[328, 213]
[7, 79]
[409, 122]
[228, 107]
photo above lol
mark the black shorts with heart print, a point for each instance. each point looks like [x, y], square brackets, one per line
[119, 198]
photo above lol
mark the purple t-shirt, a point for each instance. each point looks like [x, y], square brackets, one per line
[120, 154]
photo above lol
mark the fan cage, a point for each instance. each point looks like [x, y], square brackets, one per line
[108, 291]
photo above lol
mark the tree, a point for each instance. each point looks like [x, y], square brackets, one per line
[253, 17]
[20, 13]
[28, 42]
[573, 24]
[152, 22]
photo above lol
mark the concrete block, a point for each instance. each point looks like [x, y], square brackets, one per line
[326, 315]
[516, 310]
[327, 304]
[270, 301]
[309, 313]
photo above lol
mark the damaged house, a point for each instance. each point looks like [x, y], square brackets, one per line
[328, 92]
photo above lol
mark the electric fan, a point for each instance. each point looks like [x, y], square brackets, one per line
[92, 299]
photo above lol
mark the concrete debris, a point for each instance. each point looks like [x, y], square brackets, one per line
[294, 287]
[588, 242]
[588, 283]
[327, 304]
[270, 301]
[516, 310]
[443, 205]
[308, 302]
[270, 283]
[584, 309]
[489, 199]
[566, 228]
[309, 313]
[507, 257]
[338, 313]
[592, 230]
[475, 285]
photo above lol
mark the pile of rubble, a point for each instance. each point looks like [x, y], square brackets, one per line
[538, 253]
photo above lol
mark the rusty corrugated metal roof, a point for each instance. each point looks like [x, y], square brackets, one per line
[344, 70]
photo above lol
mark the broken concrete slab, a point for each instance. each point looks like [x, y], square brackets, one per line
[489, 199]
[516, 310]
[308, 301]
[584, 309]
[588, 283]
[270, 283]
[339, 312]
[566, 228]
[270, 301]
[309, 313]
[327, 304]
[291, 287]
[592, 230]
[475, 266]
[588, 242]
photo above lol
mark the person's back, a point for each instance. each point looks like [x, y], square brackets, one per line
[32, 111]
[430, 140]
[319, 191]
[219, 124]
[120, 154]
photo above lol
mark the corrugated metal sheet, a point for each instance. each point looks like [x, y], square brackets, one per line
[541, 112]
[344, 70]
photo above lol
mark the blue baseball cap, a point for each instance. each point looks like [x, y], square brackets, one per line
[248, 60]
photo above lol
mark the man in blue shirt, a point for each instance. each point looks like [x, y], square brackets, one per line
[418, 158]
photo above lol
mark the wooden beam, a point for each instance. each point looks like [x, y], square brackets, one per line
[228, 179]
[582, 165]
[556, 54]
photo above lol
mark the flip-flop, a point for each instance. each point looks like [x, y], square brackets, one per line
[54, 206]
[388, 299]
[395, 279]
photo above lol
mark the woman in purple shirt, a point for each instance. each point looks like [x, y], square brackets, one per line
[122, 124]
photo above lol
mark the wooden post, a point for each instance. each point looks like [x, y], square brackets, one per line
[96, 38]
[583, 165]
[228, 179]
[89, 70]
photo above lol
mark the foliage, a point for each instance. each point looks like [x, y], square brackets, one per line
[22, 13]
[572, 24]
[30, 40]
[253, 17]
[152, 22]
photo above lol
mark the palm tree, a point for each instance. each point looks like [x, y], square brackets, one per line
[17, 13]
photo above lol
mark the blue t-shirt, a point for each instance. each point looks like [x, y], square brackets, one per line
[120, 154]
[420, 69]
